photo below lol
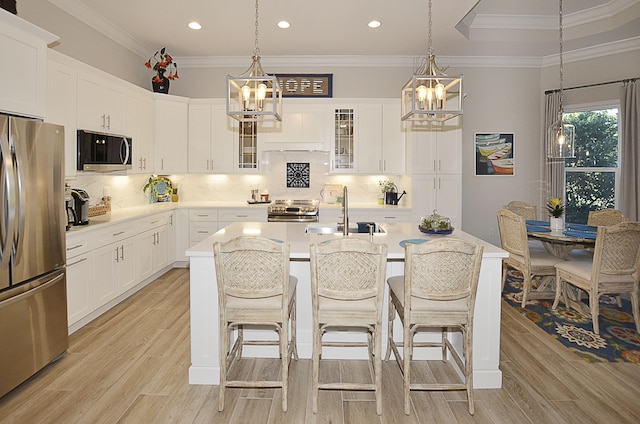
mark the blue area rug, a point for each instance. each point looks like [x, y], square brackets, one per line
[618, 340]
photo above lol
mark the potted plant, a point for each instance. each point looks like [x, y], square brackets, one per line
[556, 209]
[389, 190]
[160, 62]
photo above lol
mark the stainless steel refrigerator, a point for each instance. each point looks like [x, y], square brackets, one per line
[33, 299]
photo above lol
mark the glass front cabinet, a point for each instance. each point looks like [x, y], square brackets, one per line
[343, 150]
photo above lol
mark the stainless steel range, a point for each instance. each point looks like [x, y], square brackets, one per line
[293, 211]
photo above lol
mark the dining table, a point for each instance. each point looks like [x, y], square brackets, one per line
[561, 243]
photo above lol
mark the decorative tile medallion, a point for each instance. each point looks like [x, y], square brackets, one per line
[298, 174]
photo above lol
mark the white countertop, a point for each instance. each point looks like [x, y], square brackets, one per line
[299, 241]
[119, 215]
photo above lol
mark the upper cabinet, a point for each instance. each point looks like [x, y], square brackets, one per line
[23, 46]
[368, 138]
[170, 134]
[61, 108]
[140, 122]
[436, 147]
[211, 138]
[303, 127]
[101, 104]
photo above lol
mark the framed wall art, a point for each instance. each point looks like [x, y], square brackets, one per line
[495, 153]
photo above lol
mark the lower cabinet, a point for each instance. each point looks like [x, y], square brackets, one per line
[105, 264]
[115, 270]
[79, 287]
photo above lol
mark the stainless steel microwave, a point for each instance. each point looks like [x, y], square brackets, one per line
[103, 152]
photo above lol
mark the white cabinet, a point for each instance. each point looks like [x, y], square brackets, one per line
[202, 224]
[23, 47]
[115, 270]
[170, 135]
[61, 108]
[101, 104]
[140, 124]
[436, 148]
[302, 124]
[211, 139]
[79, 278]
[368, 138]
[440, 192]
[436, 162]
[153, 250]
[228, 216]
[389, 216]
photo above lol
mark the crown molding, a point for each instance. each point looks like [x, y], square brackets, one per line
[592, 52]
[98, 23]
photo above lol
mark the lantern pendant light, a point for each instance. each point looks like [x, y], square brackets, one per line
[430, 95]
[254, 95]
[561, 135]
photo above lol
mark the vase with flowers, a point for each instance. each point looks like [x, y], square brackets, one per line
[160, 63]
[556, 209]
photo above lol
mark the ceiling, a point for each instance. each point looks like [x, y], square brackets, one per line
[461, 28]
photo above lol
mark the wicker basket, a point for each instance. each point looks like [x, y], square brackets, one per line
[98, 210]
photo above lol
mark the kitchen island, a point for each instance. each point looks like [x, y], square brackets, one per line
[205, 368]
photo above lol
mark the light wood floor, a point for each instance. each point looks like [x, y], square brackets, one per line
[130, 366]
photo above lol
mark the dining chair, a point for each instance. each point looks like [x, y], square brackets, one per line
[532, 263]
[437, 290]
[347, 287]
[523, 209]
[615, 269]
[605, 217]
[255, 289]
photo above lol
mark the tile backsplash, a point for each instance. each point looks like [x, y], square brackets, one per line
[126, 190]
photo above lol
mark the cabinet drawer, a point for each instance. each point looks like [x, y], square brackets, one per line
[242, 214]
[115, 233]
[203, 215]
[78, 245]
[153, 221]
[199, 231]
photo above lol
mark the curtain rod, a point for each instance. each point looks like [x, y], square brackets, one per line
[557, 90]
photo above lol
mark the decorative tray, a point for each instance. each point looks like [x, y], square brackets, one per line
[257, 202]
[430, 231]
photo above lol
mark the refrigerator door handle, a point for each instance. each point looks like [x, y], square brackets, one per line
[20, 209]
[8, 201]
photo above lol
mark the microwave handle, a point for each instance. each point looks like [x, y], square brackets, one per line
[127, 152]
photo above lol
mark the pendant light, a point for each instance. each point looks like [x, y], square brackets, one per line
[254, 95]
[561, 135]
[430, 95]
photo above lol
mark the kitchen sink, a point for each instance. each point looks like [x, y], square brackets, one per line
[334, 229]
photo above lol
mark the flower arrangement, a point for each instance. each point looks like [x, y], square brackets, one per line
[555, 207]
[387, 186]
[160, 188]
[160, 62]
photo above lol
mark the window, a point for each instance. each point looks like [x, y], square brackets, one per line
[592, 178]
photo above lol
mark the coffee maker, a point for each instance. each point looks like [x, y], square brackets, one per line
[69, 207]
[80, 206]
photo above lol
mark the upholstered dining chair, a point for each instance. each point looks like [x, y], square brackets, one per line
[347, 288]
[523, 209]
[438, 290]
[615, 269]
[605, 217]
[255, 288]
[532, 263]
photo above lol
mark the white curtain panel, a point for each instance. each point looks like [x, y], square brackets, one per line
[630, 148]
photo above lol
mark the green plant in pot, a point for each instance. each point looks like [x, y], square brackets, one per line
[389, 190]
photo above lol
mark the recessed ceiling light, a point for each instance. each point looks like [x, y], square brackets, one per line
[284, 24]
[194, 25]
[374, 24]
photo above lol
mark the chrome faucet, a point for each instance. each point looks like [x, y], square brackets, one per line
[345, 212]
